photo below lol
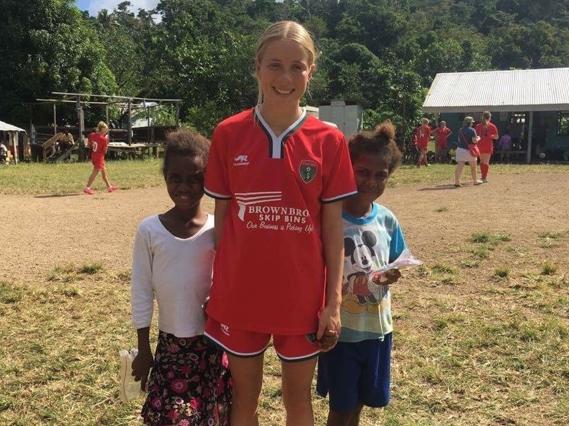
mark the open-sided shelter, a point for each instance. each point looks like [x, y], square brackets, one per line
[533, 105]
[10, 135]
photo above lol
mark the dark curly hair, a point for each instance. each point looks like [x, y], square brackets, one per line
[380, 141]
[185, 142]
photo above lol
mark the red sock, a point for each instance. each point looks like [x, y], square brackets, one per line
[484, 170]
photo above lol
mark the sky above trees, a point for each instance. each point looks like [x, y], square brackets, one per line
[94, 6]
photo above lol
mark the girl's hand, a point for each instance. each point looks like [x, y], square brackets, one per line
[328, 340]
[386, 278]
[329, 325]
[141, 365]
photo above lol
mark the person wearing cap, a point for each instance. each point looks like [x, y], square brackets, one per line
[488, 133]
[466, 137]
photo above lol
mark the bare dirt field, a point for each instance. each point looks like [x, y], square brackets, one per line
[481, 330]
[39, 232]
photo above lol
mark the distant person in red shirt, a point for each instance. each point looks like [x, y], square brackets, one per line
[488, 133]
[98, 142]
[441, 135]
[421, 138]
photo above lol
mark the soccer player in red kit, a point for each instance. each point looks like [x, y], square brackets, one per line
[422, 137]
[278, 177]
[441, 135]
[488, 133]
[98, 143]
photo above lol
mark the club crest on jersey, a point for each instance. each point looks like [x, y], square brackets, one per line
[307, 170]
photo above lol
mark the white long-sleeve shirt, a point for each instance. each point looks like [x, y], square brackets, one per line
[176, 271]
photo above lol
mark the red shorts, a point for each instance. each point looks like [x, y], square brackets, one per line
[98, 161]
[245, 343]
[485, 147]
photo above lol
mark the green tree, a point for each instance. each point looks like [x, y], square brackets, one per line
[47, 46]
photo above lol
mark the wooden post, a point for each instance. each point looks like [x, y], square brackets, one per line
[107, 114]
[530, 137]
[81, 120]
[177, 114]
[148, 139]
[54, 118]
[129, 136]
[13, 136]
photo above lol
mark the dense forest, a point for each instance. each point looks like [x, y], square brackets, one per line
[382, 54]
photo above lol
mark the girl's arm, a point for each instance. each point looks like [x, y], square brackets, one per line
[142, 299]
[333, 242]
[220, 211]
[142, 363]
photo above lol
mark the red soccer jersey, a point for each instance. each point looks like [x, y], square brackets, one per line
[98, 144]
[442, 136]
[269, 271]
[487, 135]
[422, 136]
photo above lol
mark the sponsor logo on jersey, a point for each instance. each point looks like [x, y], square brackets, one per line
[307, 170]
[262, 211]
[245, 199]
[241, 160]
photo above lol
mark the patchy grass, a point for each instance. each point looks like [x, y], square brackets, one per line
[69, 178]
[548, 268]
[69, 273]
[482, 252]
[502, 272]
[468, 349]
[488, 238]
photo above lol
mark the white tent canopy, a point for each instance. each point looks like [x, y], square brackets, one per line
[5, 127]
[507, 91]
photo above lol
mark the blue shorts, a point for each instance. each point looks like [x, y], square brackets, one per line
[356, 373]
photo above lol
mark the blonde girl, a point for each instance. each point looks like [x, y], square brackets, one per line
[98, 142]
[278, 176]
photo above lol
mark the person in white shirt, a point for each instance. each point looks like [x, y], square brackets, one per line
[172, 263]
[3, 153]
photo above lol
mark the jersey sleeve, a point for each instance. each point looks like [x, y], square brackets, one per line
[338, 174]
[141, 292]
[397, 244]
[217, 177]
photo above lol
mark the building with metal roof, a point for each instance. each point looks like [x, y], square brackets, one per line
[10, 136]
[531, 104]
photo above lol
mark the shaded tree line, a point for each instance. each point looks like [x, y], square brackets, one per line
[382, 54]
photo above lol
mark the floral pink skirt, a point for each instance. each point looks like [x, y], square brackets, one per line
[189, 384]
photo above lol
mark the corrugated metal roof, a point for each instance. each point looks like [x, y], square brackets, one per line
[515, 90]
[5, 127]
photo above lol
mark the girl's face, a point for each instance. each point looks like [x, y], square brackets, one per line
[283, 72]
[371, 172]
[185, 182]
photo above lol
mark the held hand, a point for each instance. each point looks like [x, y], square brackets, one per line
[387, 278]
[328, 340]
[141, 365]
[329, 326]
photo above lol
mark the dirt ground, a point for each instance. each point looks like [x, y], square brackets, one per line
[480, 329]
[39, 233]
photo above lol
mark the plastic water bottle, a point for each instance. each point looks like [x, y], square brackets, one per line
[128, 388]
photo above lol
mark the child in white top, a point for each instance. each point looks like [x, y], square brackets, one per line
[173, 254]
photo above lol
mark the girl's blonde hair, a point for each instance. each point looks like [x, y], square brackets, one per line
[102, 126]
[285, 30]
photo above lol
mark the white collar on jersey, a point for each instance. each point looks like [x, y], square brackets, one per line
[276, 141]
